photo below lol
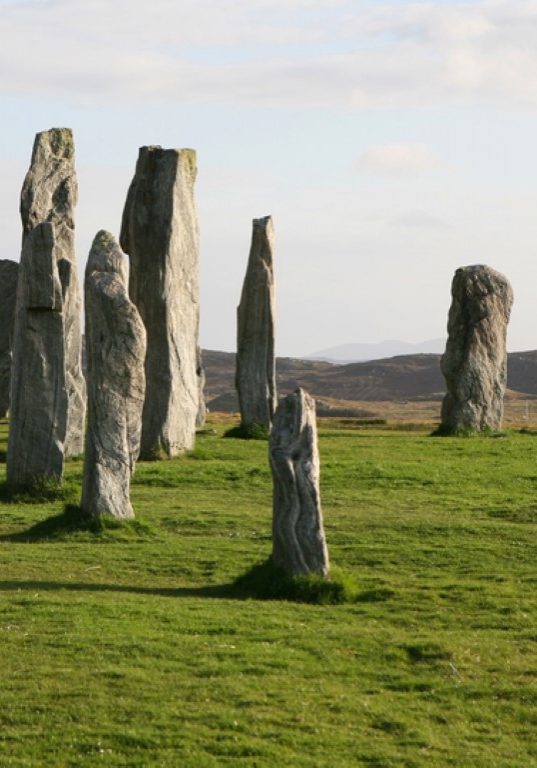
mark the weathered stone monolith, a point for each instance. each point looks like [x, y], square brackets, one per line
[116, 347]
[255, 377]
[9, 271]
[475, 361]
[47, 387]
[202, 407]
[159, 231]
[38, 415]
[298, 541]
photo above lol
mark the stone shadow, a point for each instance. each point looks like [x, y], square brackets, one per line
[216, 591]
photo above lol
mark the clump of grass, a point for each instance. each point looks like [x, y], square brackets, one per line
[266, 581]
[40, 491]
[74, 520]
[200, 454]
[248, 432]
[443, 431]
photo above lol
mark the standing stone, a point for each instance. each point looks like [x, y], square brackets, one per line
[50, 193]
[8, 293]
[159, 231]
[116, 347]
[298, 541]
[475, 361]
[38, 415]
[47, 387]
[202, 407]
[255, 377]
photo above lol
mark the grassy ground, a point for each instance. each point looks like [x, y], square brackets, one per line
[123, 648]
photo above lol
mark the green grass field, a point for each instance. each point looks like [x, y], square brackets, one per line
[125, 647]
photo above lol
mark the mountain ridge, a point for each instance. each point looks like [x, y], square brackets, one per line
[402, 377]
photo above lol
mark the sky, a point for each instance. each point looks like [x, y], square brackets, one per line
[391, 141]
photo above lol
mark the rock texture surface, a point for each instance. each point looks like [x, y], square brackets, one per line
[9, 271]
[116, 348]
[475, 361]
[298, 541]
[160, 233]
[202, 408]
[47, 388]
[255, 378]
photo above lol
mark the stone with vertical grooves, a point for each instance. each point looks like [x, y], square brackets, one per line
[9, 271]
[475, 361]
[48, 388]
[298, 540]
[116, 347]
[159, 232]
[255, 377]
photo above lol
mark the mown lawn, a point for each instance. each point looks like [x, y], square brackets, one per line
[124, 648]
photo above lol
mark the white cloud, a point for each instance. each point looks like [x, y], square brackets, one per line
[397, 160]
[273, 52]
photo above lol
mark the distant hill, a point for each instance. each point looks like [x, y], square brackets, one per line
[404, 377]
[355, 353]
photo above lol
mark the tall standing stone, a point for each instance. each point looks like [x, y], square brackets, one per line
[475, 361]
[47, 387]
[115, 347]
[255, 377]
[298, 540]
[159, 231]
[8, 293]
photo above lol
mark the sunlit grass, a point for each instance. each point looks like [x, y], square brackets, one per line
[127, 646]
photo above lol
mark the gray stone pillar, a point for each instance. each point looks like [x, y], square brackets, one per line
[255, 377]
[47, 388]
[9, 271]
[115, 347]
[298, 541]
[160, 233]
[475, 361]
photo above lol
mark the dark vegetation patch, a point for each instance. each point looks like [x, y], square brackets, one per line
[248, 432]
[266, 581]
[74, 520]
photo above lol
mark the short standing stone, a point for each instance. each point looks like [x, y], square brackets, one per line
[8, 292]
[475, 361]
[298, 540]
[47, 386]
[255, 365]
[116, 346]
[160, 233]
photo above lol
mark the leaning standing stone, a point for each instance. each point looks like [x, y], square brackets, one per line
[475, 361]
[255, 377]
[8, 292]
[116, 346]
[298, 541]
[160, 233]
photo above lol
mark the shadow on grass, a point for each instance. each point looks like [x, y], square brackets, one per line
[266, 581]
[73, 520]
[262, 582]
[216, 591]
[248, 432]
[443, 431]
[42, 491]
